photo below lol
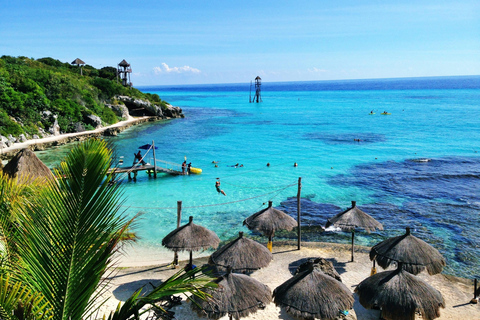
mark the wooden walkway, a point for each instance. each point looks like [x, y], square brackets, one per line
[147, 167]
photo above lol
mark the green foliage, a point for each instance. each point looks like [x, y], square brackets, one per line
[28, 87]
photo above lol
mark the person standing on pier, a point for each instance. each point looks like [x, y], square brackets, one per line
[184, 166]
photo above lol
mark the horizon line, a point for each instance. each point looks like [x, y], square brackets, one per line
[337, 80]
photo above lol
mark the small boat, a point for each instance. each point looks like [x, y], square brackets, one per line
[385, 113]
[195, 170]
[371, 113]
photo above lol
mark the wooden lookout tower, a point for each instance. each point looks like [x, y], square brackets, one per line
[123, 71]
[258, 93]
[79, 63]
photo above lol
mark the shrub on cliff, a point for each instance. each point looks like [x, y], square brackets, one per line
[30, 87]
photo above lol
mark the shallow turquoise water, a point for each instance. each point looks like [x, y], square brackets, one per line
[315, 125]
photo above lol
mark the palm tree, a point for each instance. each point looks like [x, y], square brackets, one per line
[68, 232]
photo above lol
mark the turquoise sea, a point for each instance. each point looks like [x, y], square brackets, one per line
[316, 124]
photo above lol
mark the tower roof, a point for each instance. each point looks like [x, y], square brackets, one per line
[258, 78]
[124, 63]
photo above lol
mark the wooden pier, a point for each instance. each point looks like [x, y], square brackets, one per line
[149, 168]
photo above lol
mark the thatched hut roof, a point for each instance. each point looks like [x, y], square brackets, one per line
[124, 63]
[237, 295]
[27, 167]
[313, 294]
[353, 218]
[78, 62]
[320, 264]
[400, 294]
[242, 255]
[190, 237]
[414, 253]
[269, 220]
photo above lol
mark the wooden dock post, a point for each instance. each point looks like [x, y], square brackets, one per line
[179, 218]
[299, 212]
[154, 161]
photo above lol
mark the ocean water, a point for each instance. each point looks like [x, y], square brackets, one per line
[316, 124]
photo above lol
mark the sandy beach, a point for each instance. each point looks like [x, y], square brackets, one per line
[457, 292]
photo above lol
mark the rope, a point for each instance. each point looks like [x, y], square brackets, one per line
[216, 204]
[245, 187]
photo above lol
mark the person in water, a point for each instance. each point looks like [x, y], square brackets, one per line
[138, 157]
[295, 164]
[217, 186]
[189, 166]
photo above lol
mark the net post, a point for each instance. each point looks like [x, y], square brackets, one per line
[299, 213]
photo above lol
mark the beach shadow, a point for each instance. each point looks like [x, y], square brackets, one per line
[124, 291]
[161, 268]
[285, 251]
[339, 266]
[284, 315]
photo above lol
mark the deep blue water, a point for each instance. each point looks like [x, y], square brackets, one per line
[316, 124]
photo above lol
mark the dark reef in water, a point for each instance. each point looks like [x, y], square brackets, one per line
[440, 201]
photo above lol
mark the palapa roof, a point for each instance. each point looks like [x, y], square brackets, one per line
[313, 294]
[237, 295]
[258, 78]
[78, 61]
[400, 294]
[414, 253]
[124, 63]
[26, 166]
[269, 220]
[353, 218]
[190, 237]
[242, 255]
[320, 264]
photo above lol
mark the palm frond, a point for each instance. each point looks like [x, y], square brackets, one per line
[70, 232]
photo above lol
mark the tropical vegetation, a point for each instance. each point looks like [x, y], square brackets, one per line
[33, 91]
[58, 240]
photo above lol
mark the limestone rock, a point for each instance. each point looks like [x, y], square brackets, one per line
[173, 112]
[120, 110]
[94, 121]
[55, 129]
[22, 138]
[79, 127]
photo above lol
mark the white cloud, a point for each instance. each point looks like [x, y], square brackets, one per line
[164, 68]
[317, 70]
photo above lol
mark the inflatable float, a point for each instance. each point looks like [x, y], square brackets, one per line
[195, 170]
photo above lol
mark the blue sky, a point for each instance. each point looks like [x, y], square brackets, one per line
[188, 42]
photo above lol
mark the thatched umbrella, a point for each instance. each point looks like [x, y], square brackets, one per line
[414, 253]
[242, 255]
[353, 218]
[313, 294]
[190, 237]
[400, 294]
[269, 220]
[237, 295]
[25, 166]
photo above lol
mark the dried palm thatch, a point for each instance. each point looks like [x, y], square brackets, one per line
[242, 255]
[237, 295]
[414, 254]
[191, 237]
[25, 166]
[78, 62]
[320, 264]
[313, 294]
[400, 294]
[353, 218]
[269, 220]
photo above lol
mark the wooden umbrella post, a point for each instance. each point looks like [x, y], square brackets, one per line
[299, 212]
[353, 241]
[270, 243]
[179, 218]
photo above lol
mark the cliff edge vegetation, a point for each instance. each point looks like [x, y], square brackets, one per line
[44, 97]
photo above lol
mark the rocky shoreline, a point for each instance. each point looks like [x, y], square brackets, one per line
[61, 139]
